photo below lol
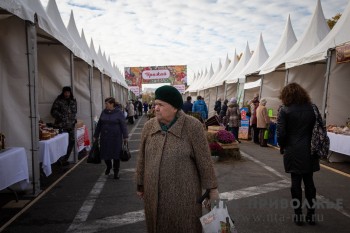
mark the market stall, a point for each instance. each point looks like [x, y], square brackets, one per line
[51, 150]
[13, 167]
[339, 147]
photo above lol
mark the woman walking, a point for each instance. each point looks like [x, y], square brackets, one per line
[112, 131]
[295, 122]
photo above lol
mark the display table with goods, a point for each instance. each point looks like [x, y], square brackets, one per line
[51, 150]
[222, 143]
[339, 137]
[13, 167]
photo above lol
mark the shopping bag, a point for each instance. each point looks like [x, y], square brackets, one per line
[218, 220]
[94, 154]
[125, 153]
[266, 134]
[319, 140]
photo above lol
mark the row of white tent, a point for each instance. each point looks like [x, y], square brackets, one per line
[309, 61]
[38, 56]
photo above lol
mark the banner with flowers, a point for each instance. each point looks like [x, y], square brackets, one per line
[175, 75]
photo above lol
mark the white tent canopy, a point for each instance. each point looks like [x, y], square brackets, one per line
[258, 58]
[220, 79]
[314, 33]
[337, 36]
[288, 39]
[233, 76]
[66, 38]
[216, 72]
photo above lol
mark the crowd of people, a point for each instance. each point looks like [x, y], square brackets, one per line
[171, 137]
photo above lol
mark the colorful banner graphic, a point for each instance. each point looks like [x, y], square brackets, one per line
[175, 75]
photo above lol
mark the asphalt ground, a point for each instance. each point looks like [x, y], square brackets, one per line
[256, 189]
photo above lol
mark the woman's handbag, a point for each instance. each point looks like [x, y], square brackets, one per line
[125, 154]
[218, 220]
[319, 139]
[94, 155]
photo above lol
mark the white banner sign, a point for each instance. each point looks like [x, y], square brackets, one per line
[180, 88]
[135, 90]
[155, 74]
[250, 85]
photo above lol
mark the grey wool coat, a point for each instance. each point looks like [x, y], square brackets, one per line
[111, 128]
[172, 169]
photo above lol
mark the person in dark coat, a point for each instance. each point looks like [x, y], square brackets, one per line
[112, 131]
[217, 106]
[145, 107]
[187, 107]
[295, 122]
[223, 111]
[64, 110]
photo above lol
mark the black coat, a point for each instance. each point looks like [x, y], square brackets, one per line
[187, 106]
[111, 128]
[294, 131]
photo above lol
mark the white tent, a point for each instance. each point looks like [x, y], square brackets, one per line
[205, 93]
[310, 76]
[288, 39]
[220, 79]
[316, 30]
[232, 88]
[335, 101]
[273, 79]
[215, 73]
[233, 76]
[217, 92]
[250, 71]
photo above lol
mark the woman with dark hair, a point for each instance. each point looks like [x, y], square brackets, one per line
[112, 131]
[295, 122]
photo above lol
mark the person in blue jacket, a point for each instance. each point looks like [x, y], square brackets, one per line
[200, 106]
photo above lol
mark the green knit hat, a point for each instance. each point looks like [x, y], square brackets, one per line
[170, 95]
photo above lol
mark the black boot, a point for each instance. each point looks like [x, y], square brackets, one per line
[298, 219]
[310, 218]
[109, 166]
[116, 174]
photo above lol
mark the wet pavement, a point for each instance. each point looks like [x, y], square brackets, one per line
[256, 188]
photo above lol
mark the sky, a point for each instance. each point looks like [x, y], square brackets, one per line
[196, 33]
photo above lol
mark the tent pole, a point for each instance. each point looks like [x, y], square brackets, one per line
[75, 154]
[90, 97]
[31, 41]
[326, 84]
[286, 77]
[261, 85]
[225, 90]
[101, 81]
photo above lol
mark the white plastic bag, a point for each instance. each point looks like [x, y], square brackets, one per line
[218, 220]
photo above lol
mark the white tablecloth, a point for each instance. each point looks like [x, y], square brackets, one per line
[51, 150]
[339, 143]
[13, 167]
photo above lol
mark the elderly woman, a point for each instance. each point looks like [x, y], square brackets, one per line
[173, 167]
[263, 121]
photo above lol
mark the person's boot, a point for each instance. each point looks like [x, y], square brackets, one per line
[310, 218]
[298, 219]
[116, 174]
[108, 170]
